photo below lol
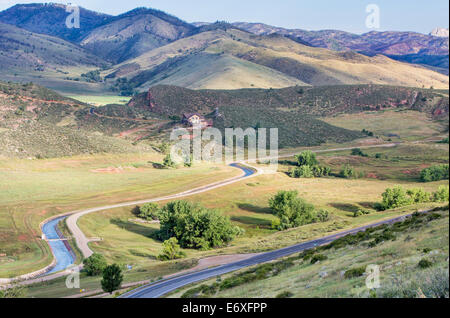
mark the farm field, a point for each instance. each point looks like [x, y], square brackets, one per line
[34, 190]
[398, 260]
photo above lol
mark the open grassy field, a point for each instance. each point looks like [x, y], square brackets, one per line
[101, 100]
[34, 190]
[398, 260]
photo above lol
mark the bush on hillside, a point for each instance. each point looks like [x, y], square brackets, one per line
[359, 152]
[355, 272]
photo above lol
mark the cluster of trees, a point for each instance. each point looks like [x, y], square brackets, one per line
[361, 212]
[195, 226]
[124, 87]
[92, 76]
[349, 172]
[359, 152]
[308, 167]
[148, 211]
[398, 197]
[434, 173]
[96, 265]
[367, 132]
[293, 211]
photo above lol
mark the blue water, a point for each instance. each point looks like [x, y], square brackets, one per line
[248, 171]
[64, 257]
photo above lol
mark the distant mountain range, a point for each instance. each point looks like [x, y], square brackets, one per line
[147, 47]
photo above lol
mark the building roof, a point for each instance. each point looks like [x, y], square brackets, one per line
[189, 115]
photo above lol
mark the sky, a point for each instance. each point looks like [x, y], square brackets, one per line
[347, 15]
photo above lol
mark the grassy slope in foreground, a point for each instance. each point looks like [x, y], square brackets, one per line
[398, 258]
[32, 191]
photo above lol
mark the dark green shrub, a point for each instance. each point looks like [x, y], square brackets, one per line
[355, 272]
[318, 258]
[285, 294]
[425, 263]
[359, 152]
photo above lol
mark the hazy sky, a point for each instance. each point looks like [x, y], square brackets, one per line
[348, 15]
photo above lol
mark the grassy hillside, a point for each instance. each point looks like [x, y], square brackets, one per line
[411, 47]
[213, 71]
[317, 101]
[23, 50]
[39, 123]
[397, 249]
[134, 33]
[50, 19]
[296, 111]
[313, 66]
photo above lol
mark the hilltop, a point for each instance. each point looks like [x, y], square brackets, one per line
[50, 19]
[134, 33]
[411, 47]
[25, 51]
[256, 58]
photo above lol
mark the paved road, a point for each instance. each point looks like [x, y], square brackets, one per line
[248, 172]
[161, 288]
[82, 241]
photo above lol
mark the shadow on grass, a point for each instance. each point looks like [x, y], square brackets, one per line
[347, 207]
[367, 205]
[140, 254]
[252, 221]
[135, 228]
[253, 208]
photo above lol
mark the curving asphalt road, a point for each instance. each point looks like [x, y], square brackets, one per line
[161, 288]
[248, 172]
[82, 241]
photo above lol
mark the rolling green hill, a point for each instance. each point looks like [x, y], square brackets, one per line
[312, 66]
